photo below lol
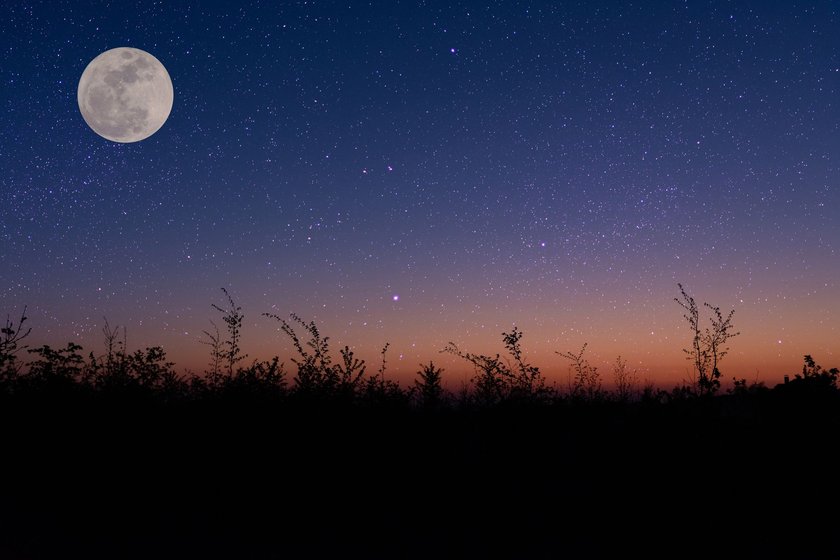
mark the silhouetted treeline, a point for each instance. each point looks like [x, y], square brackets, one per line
[318, 375]
[114, 454]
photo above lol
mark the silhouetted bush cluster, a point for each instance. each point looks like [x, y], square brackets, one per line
[116, 455]
[317, 375]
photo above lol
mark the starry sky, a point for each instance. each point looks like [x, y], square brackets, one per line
[424, 172]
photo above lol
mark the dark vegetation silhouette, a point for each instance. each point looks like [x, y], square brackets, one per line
[230, 351]
[498, 381]
[585, 381]
[115, 454]
[13, 333]
[428, 390]
[708, 346]
[625, 380]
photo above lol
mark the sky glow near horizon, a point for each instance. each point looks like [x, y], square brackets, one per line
[419, 173]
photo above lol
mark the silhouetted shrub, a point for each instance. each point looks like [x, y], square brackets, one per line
[214, 374]
[585, 381]
[625, 380]
[314, 374]
[814, 381]
[62, 366]
[346, 380]
[377, 391]
[262, 380]
[11, 336]
[741, 387]
[708, 347]
[232, 316]
[428, 389]
[496, 381]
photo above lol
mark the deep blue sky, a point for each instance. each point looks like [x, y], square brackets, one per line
[556, 165]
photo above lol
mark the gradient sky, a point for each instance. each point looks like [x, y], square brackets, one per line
[424, 172]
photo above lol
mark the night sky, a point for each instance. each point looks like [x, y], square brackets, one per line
[424, 172]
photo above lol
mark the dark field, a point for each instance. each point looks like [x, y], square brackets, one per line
[121, 457]
[90, 476]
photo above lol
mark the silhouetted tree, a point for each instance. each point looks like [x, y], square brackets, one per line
[114, 347]
[815, 378]
[262, 380]
[585, 383]
[216, 354]
[347, 375]
[317, 375]
[314, 364]
[428, 389]
[715, 338]
[149, 368]
[383, 352]
[144, 373]
[650, 393]
[56, 368]
[708, 347]
[625, 380]
[526, 380]
[11, 336]
[496, 381]
[741, 387]
[111, 372]
[696, 354]
[378, 391]
[488, 381]
[232, 316]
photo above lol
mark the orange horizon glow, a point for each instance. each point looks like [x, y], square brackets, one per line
[773, 339]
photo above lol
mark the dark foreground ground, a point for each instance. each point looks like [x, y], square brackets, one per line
[713, 478]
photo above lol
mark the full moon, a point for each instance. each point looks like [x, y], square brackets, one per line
[125, 95]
